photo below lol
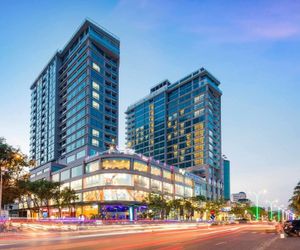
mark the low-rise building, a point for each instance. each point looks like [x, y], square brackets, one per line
[112, 183]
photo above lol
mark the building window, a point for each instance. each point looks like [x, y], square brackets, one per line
[116, 164]
[155, 171]
[167, 174]
[96, 86]
[46, 170]
[96, 105]
[168, 188]
[76, 171]
[55, 177]
[141, 181]
[70, 158]
[95, 95]
[179, 189]
[156, 185]
[92, 167]
[95, 132]
[179, 178]
[80, 154]
[140, 166]
[93, 195]
[95, 142]
[119, 179]
[91, 181]
[64, 175]
[96, 67]
[188, 181]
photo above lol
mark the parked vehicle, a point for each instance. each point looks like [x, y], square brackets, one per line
[292, 227]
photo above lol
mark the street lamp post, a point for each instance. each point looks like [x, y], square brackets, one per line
[257, 199]
[271, 207]
[280, 213]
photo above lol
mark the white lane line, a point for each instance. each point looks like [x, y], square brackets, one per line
[221, 243]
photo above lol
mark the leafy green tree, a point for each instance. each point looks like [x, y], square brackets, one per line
[42, 192]
[240, 210]
[174, 206]
[68, 197]
[13, 167]
[157, 204]
[295, 200]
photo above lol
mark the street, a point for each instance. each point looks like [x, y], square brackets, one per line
[221, 237]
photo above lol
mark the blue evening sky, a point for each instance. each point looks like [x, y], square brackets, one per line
[252, 47]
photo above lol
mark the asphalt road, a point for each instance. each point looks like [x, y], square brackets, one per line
[226, 238]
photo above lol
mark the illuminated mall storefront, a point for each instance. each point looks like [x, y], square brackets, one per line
[115, 185]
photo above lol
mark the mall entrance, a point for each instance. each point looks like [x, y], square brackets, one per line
[113, 212]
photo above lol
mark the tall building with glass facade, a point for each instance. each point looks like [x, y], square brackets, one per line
[226, 171]
[74, 100]
[180, 124]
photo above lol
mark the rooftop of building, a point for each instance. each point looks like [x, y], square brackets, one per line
[166, 85]
[87, 22]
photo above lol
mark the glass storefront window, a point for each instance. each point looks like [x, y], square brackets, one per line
[76, 171]
[167, 174]
[140, 166]
[188, 181]
[64, 175]
[188, 192]
[76, 185]
[156, 185]
[167, 188]
[141, 181]
[178, 177]
[117, 195]
[155, 170]
[116, 164]
[95, 195]
[138, 195]
[116, 179]
[92, 167]
[179, 189]
[91, 181]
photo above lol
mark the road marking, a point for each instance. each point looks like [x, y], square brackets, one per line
[254, 232]
[220, 243]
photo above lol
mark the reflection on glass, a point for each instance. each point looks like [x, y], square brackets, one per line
[141, 181]
[156, 185]
[167, 188]
[117, 194]
[116, 164]
[179, 189]
[140, 166]
[95, 195]
[155, 170]
[167, 174]
[92, 167]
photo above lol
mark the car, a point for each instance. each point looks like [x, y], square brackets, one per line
[292, 227]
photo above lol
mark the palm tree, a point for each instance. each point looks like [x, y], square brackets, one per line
[295, 200]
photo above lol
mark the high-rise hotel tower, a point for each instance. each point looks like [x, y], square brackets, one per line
[74, 100]
[180, 124]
